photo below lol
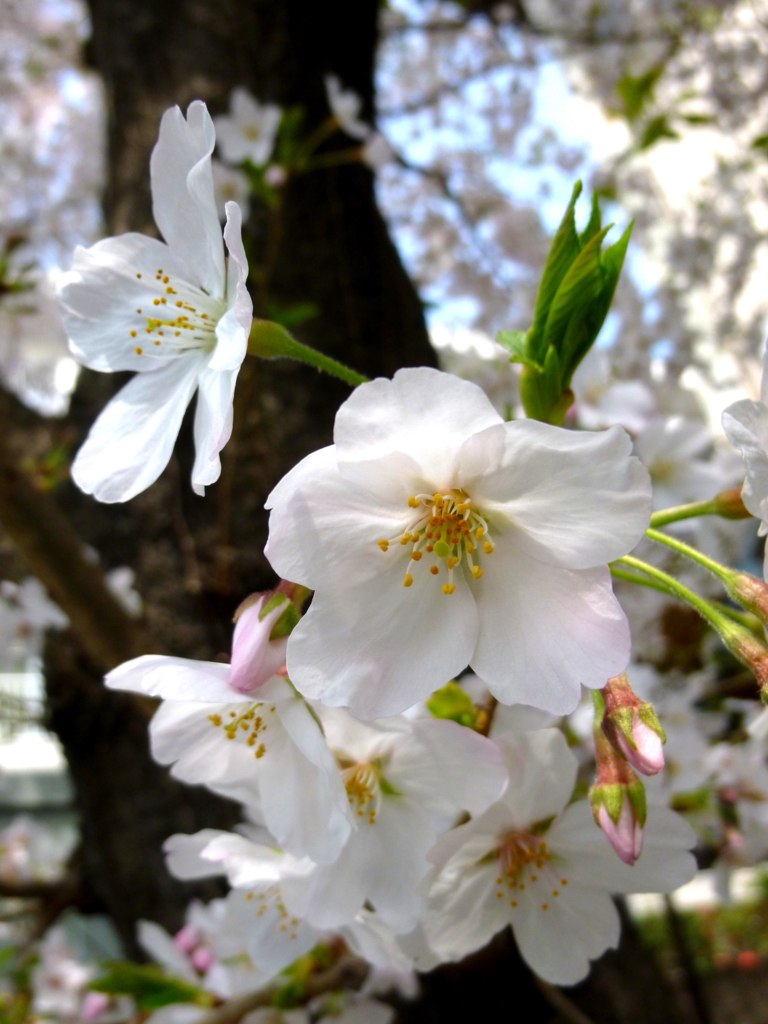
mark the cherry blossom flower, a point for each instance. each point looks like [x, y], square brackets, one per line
[345, 105]
[267, 751]
[437, 535]
[541, 866]
[260, 909]
[746, 426]
[178, 313]
[248, 131]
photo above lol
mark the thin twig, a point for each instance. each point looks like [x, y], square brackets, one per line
[349, 972]
[559, 1001]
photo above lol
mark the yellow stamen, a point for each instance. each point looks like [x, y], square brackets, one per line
[408, 580]
[477, 572]
[383, 544]
[448, 588]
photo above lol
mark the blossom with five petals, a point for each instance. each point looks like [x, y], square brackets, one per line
[178, 313]
[537, 864]
[437, 535]
[265, 750]
[248, 131]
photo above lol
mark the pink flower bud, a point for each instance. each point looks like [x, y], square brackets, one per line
[187, 938]
[625, 834]
[275, 176]
[202, 959]
[255, 657]
[94, 1004]
[647, 755]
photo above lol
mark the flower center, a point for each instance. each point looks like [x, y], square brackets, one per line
[448, 529]
[525, 860]
[361, 782]
[178, 318]
[251, 132]
[270, 899]
[249, 726]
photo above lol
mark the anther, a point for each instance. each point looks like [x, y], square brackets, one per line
[416, 556]
[433, 568]
[487, 547]
[413, 503]
[448, 588]
[408, 580]
[133, 334]
[138, 351]
[477, 572]
[452, 561]
[383, 544]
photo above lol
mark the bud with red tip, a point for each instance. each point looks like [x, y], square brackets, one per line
[263, 623]
[617, 797]
[632, 726]
[745, 646]
[729, 504]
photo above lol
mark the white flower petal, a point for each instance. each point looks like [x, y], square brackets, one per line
[462, 912]
[447, 767]
[110, 292]
[156, 941]
[131, 442]
[179, 679]
[558, 943]
[546, 631]
[183, 854]
[542, 774]
[322, 529]
[183, 202]
[213, 425]
[746, 426]
[421, 412]
[399, 643]
[574, 498]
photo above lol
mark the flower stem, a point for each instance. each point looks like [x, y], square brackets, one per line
[674, 515]
[676, 589]
[271, 341]
[721, 571]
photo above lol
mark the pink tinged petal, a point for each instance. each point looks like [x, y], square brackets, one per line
[323, 530]
[546, 631]
[446, 767]
[647, 755]
[158, 943]
[176, 679]
[131, 442]
[255, 658]
[187, 938]
[746, 426]
[183, 202]
[421, 412]
[558, 943]
[213, 425]
[625, 835]
[542, 774]
[202, 960]
[110, 292]
[573, 498]
[380, 647]
[94, 1005]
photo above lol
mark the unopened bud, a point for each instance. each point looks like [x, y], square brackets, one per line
[618, 796]
[187, 938]
[616, 812]
[729, 504]
[263, 623]
[202, 959]
[745, 646]
[94, 1005]
[750, 592]
[632, 726]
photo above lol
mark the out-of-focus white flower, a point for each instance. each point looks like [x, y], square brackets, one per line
[267, 751]
[538, 864]
[602, 401]
[29, 852]
[248, 131]
[746, 426]
[59, 979]
[345, 106]
[377, 150]
[230, 185]
[176, 312]
[26, 612]
[436, 535]
[473, 356]
[672, 449]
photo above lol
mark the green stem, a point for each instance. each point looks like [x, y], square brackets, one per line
[674, 515]
[721, 571]
[672, 586]
[641, 581]
[271, 341]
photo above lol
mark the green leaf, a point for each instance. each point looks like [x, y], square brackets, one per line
[453, 703]
[593, 225]
[657, 128]
[564, 250]
[516, 343]
[697, 118]
[634, 92]
[761, 142]
[540, 391]
[149, 986]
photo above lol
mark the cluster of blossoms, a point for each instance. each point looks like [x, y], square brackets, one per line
[436, 535]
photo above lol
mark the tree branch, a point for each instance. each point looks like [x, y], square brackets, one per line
[348, 972]
[55, 554]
